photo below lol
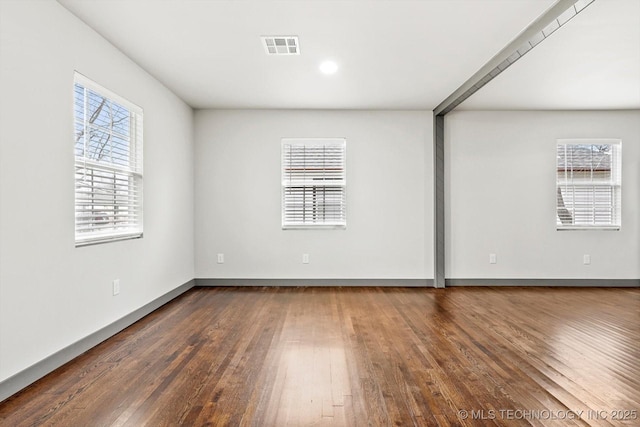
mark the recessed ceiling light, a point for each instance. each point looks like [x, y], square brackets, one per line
[328, 67]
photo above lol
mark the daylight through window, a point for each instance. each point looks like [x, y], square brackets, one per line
[588, 184]
[108, 165]
[313, 183]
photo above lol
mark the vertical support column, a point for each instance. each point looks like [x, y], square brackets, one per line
[555, 17]
[438, 202]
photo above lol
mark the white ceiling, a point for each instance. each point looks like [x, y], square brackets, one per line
[392, 54]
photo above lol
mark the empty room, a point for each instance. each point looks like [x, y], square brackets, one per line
[319, 212]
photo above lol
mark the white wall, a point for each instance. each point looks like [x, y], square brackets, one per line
[51, 293]
[500, 174]
[238, 196]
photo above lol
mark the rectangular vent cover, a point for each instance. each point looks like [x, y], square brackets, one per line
[281, 45]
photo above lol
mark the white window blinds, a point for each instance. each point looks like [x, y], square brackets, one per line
[108, 165]
[314, 183]
[588, 184]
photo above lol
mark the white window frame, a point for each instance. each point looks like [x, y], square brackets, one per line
[109, 189]
[599, 194]
[314, 183]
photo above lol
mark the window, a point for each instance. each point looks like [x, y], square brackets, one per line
[313, 183]
[108, 165]
[588, 184]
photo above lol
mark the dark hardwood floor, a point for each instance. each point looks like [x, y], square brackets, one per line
[357, 356]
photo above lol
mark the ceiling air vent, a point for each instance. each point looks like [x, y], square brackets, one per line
[281, 45]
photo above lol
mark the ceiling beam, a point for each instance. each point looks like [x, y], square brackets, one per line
[555, 17]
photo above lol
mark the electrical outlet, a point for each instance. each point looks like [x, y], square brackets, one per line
[116, 287]
[220, 258]
[493, 259]
[305, 258]
[586, 259]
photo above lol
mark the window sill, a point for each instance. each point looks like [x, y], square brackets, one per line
[314, 227]
[97, 240]
[589, 228]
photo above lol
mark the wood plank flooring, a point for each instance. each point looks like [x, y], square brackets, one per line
[357, 356]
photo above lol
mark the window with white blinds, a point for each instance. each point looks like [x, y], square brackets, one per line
[588, 184]
[314, 183]
[108, 165]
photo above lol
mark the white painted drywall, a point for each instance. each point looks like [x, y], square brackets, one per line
[51, 293]
[238, 196]
[500, 192]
